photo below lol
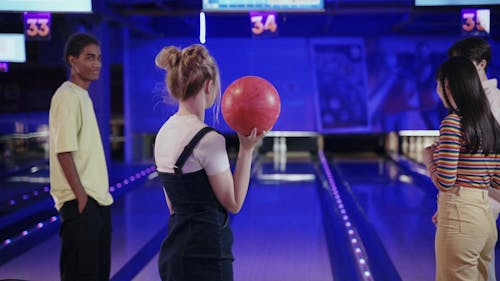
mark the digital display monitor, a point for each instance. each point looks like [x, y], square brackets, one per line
[37, 25]
[4, 67]
[262, 5]
[475, 22]
[438, 3]
[83, 6]
[12, 48]
[263, 23]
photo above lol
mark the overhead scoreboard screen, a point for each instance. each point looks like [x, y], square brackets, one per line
[262, 5]
[12, 47]
[79, 6]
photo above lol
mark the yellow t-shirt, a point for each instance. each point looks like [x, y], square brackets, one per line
[73, 128]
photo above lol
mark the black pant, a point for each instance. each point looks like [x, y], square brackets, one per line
[86, 242]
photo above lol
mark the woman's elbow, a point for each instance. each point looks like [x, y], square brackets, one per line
[228, 202]
[233, 209]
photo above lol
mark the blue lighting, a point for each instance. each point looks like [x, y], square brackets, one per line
[42, 224]
[356, 243]
[203, 31]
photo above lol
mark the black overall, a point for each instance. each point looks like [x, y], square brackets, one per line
[199, 240]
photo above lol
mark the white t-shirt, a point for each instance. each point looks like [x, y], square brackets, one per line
[209, 154]
[493, 95]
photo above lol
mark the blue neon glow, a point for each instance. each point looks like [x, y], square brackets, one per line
[203, 29]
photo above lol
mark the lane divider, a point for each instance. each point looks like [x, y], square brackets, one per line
[356, 244]
[41, 225]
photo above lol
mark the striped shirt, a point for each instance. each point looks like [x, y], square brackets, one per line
[455, 167]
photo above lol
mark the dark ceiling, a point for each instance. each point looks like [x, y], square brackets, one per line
[340, 18]
[150, 18]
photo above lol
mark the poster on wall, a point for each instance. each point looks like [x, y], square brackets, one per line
[339, 68]
[402, 89]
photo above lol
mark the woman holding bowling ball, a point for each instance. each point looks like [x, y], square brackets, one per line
[193, 166]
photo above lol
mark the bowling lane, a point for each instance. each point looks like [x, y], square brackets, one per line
[399, 205]
[23, 187]
[35, 175]
[25, 202]
[32, 184]
[279, 233]
[138, 216]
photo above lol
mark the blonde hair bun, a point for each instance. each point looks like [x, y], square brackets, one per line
[168, 58]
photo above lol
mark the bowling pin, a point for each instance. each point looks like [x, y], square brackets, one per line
[276, 152]
[404, 145]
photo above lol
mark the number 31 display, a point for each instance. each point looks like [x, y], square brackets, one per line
[475, 22]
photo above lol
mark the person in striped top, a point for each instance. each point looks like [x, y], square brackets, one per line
[463, 165]
[478, 50]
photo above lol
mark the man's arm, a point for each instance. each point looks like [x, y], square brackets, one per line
[69, 168]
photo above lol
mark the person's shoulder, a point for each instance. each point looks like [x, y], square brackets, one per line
[65, 93]
[452, 117]
[214, 136]
[490, 84]
[64, 87]
[212, 144]
[451, 120]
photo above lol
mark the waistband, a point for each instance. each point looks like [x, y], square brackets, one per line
[458, 190]
[192, 209]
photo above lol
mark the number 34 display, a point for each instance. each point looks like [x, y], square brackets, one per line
[37, 26]
[264, 23]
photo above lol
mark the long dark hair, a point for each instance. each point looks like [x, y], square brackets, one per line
[481, 130]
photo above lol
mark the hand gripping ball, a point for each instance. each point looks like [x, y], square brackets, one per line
[250, 102]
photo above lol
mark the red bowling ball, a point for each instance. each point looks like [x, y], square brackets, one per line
[250, 102]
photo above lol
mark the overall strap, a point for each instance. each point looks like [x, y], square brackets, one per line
[188, 149]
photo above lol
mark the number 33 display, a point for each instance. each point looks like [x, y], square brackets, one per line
[37, 26]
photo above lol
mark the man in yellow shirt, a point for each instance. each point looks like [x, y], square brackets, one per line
[78, 173]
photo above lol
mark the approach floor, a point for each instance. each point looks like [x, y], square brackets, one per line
[279, 234]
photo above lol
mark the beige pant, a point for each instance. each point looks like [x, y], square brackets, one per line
[495, 210]
[466, 235]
